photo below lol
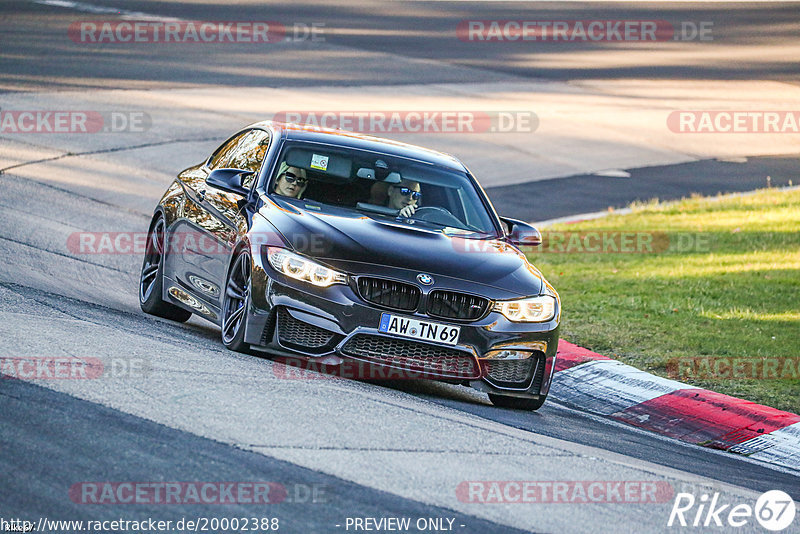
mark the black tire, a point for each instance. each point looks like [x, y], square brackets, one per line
[235, 303]
[516, 403]
[151, 279]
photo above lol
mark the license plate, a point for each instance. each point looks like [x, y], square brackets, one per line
[424, 330]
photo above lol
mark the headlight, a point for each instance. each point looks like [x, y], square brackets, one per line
[300, 268]
[532, 310]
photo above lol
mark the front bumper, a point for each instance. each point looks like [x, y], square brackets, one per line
[328, 324]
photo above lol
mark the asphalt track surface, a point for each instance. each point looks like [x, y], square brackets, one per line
[748, 43]
[52, 421]
[558, 197]
[375, 450]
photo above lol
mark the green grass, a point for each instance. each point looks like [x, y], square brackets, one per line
[736, 296]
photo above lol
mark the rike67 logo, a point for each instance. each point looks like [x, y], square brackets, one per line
[774, 511]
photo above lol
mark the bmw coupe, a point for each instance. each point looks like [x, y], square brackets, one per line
[333, 246]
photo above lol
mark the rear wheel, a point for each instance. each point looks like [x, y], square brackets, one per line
[235, 303]
[516, 403]
[151, 279]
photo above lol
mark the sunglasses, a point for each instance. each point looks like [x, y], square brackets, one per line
[292, 178]
[406, 191]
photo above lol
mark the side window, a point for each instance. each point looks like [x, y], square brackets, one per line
[250, 153]
[223, 154]
[245, 151]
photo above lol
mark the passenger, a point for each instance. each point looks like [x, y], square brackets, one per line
[291, 182]
[377, 193]
[403, 197]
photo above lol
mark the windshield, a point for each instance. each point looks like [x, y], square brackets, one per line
[338, 180]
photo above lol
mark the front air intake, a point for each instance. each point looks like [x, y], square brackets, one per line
[389, 293]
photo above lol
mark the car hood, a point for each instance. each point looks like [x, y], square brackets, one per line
[355, 242]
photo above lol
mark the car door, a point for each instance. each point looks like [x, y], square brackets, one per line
[214, 218]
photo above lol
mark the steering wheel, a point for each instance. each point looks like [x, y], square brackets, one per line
[435, 214]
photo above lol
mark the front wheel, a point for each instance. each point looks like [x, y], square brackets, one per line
[235, 303]
[516, 403]
[151, 279]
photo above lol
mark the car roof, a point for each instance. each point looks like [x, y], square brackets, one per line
[296, 132]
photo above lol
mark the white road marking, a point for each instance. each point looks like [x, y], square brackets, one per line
[103, 10]
[784, 448]
[609, 386]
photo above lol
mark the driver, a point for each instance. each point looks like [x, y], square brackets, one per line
[291, 182]
[404, 197]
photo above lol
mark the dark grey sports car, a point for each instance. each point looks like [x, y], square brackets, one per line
[338, 247]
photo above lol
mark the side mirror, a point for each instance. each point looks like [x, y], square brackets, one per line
[229, 180]
[522, 234]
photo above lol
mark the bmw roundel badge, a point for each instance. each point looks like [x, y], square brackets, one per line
[425, 279]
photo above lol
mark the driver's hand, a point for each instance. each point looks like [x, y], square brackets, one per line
[408, 211]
